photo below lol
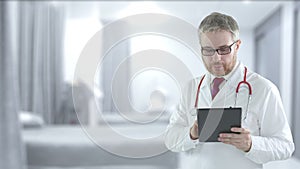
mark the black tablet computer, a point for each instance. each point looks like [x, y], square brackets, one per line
[213, 121]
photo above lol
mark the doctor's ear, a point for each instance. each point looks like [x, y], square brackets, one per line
[238, 43]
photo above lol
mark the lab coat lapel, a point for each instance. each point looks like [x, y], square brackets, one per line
[205, 94]
[237, 76]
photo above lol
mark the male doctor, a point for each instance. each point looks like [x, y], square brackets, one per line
[264, 134]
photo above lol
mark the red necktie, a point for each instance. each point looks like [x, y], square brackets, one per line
[216, 83]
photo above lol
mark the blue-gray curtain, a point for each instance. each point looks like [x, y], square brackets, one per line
[12, 154]
[40, 61]
[31, 77]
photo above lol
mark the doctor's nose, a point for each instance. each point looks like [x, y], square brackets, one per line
[216, 57]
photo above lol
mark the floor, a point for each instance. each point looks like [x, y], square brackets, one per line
[291, 163]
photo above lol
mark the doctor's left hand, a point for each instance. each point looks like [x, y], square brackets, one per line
[241, 141]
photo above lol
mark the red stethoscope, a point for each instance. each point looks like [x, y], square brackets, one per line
[244, 81]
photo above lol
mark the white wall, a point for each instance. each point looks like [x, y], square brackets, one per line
[247, 50]
[287, 36]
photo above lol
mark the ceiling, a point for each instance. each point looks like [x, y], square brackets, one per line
[248, 13]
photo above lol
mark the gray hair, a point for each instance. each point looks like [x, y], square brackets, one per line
[216, 22]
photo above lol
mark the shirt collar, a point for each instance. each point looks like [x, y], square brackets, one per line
[226, 77]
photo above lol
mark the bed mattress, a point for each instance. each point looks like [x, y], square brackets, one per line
[75, 146]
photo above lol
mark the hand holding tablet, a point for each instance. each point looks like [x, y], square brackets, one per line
[213, 121]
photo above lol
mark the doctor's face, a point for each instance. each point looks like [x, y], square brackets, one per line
[222, 61]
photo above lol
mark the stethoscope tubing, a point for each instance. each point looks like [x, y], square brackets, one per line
[244, 81]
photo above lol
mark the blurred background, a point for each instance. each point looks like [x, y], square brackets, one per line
[135, 83]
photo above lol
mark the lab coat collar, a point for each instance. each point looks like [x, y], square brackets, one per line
[232, 81]
[237, 76]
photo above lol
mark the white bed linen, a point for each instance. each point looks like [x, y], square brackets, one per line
[68, 146]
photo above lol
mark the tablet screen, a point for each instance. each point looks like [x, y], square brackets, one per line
[213, 121]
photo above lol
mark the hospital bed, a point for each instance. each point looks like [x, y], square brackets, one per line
[66, 146]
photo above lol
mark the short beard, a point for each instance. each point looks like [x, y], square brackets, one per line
[230, 68]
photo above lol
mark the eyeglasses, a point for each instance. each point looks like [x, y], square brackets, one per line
[224, 50]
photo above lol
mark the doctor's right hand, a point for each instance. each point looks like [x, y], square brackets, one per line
[194, 131]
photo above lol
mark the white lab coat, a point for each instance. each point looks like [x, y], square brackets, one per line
[266, 119]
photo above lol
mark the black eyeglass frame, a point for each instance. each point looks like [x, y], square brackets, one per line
[218, 50]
